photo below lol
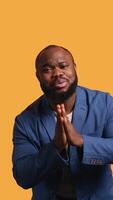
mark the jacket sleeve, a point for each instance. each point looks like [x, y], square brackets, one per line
[99, 150]
[31, 162]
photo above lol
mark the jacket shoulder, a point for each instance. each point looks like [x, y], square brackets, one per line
[32, 110]
[91, 94]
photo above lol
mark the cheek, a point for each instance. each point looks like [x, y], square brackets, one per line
[46, 80]
[45, 77]
[71, 75]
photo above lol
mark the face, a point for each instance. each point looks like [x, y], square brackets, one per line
[57, 75]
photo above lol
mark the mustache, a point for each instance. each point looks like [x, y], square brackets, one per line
[58, 80]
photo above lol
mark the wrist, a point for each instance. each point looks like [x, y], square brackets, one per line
[57, 146]
[79, 141]
[60, 147]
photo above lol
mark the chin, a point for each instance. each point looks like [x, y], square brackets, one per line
[62, 90]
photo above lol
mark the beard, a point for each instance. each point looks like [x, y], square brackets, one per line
[58, 98]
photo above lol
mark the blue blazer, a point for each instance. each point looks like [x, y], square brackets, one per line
[36, 162]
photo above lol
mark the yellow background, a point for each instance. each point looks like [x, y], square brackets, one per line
[85, 27]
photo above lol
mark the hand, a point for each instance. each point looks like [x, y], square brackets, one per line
[60, 139]
[73, 137]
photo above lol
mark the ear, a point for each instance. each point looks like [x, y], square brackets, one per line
[37, 75]
[74, 64]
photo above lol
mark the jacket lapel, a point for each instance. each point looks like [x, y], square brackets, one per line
[47, 118]
[80, 110]
[78, 121]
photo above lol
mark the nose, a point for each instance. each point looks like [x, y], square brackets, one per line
[57, 72]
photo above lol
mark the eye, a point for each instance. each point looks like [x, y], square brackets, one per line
[46, 69]
[63, 65]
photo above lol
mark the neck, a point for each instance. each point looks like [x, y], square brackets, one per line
[69, 103]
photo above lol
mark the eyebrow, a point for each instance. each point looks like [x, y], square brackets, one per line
[47, 64]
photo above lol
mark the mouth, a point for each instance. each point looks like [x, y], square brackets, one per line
[60, 83]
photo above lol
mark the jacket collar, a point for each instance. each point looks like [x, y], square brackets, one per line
[47, 117]
[80, 109]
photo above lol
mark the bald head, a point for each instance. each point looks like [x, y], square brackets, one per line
[48, 51]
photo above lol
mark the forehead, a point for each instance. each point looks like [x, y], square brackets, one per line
[54, 55]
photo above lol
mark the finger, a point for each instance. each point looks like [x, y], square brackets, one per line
[59, 114]
[63, 109]
[58, 109]
[63, 112]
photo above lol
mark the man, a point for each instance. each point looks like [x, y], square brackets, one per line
[63, 142]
